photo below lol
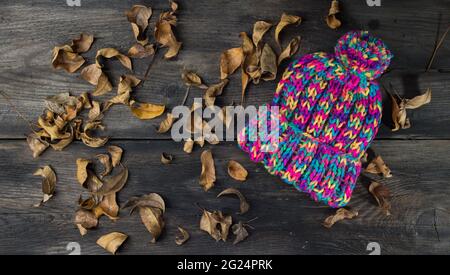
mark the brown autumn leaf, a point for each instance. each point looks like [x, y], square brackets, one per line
[259, 29]
[139, 51]
[208, 174]
[126, 83]
[285, 20]
[51, 128]
[146, 110]
[213, 91]
[165, 36]
[111, 53]
[331, 19]
[377, 166]
[243, 204]
[84, 220]
[401, 121]
[381, 194]
[105, 160]
[192, 79]
[58, 103]
[63, 57]
[153, 221]
[113, 184]
[95, 76]
[419, 100]
[247, 44]
[139, 16]
[166, 124]
[152, 200]
[87, 204]
[89, 140]
[36, 145]
[237, 171]
[188, 146]
[230, 60]
[48, 183]
[166, 158]
[269, 64]
[83, 43]
[116, 154]
[340, 215]
[216, 224]
[112, 241]
[108, 206]
[63, 143]
[182, 236]
[240, 231]
[95, 113]
[82, 170]
[290, 50]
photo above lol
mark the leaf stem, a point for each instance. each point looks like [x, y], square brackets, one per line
[8, 101]
[438, 45]
[186, 95]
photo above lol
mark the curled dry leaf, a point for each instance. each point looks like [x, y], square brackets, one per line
[58, 103]
[113, 184]
[208, 174]
[64, 57]
[111, 53]
[82, 170]
[216, 224]
[259, 29]
[240, 231]
[112, 241]
[95, 76]
[418, 101]
[116, 154]
[331, 19]
[152, 200]
[399, 116]
[84, 220]
[165, 36]
[89, 140]
[188, 146]
[243, 204]
[285, 20]
[139, 51]
[108, 206]
[237, 171]
[377, 166]
[213, 91]
[381, 194]
[340, 215]
[139, 16]
[182, 236]
[95, 113]
[36, 145]
[166, 124]
[105, 160]
[166, 158]
[83, 43]
[48, 183]
[230, 60]
[269, 64]
[126, 83]
[146, 110]
[192, 79]
[290, 50]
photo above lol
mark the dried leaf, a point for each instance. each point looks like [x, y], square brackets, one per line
[332, 21]
[58, 103]
[381, 195]
[401, 121]
[126, 83]
[182, 237]
[62, 143]
[213, 91]
[153, 221]
[418, 101]
[113, 184]
[64, 57]
[152, 200]
[116, 154]
[290, 50]
[166, 158]
[146, 110]
[48, 182]
[268, 64]
[243, 204]
[94, 75]
[216, 224]
[110, 53]
[377, 166]
[86, 219]
[166, 124]
[240, 231]
[108, 206]
[139, 51]
[36, 145]
[112, 241]
[237, 171]
[89, 140]
[104, 159]
[82, 170]
[165, 36]
[230, 60]
[208, 174]
[192, 79]
[340, 215]
[259, 29]
[95, 113]
[188, 146]
[285, 20]
[83, 43]
[139, 16]
[247, 44]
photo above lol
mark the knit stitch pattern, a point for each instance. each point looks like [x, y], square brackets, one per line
[330, 109]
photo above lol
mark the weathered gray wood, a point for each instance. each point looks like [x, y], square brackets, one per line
[288, 221]
[30, 29]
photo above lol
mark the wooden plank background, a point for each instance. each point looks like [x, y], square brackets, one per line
[288, 222]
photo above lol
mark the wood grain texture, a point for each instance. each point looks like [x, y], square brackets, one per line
[288, 221]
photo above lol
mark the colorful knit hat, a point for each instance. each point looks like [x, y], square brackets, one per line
[329, 113]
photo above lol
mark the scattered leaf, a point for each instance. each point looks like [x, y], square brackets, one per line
[341, 214]
[48, 183]
[152, 200]
[58, 103]
[126, 83]
[237, 171]
[192, 79]
[139, 16]
[259, 29]
[153, 221]
[139, 51]
[290, 50]
[243, 204]
[108, 206]
[418, 101]
[36, 145]
[268, 64]
[285, 20]
[105, 160]
[230, 60]
[116, 154]
[208, 174]
[166, 124]
[377, 166]
[65, 58]
[95, 76]
[86, 219]
[331, 19]
[113, 184]
[381, 195]
[111, 53]
[240, 231]
[216, 224]
[83, 43]
[182, 237]
[213, 91]
[146, 110]
[82, 171]
[95, 113]
[166, 158]
[112, 241]
[165, 36]
[188, 146]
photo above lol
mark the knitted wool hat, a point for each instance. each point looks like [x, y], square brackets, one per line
[329, 113]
